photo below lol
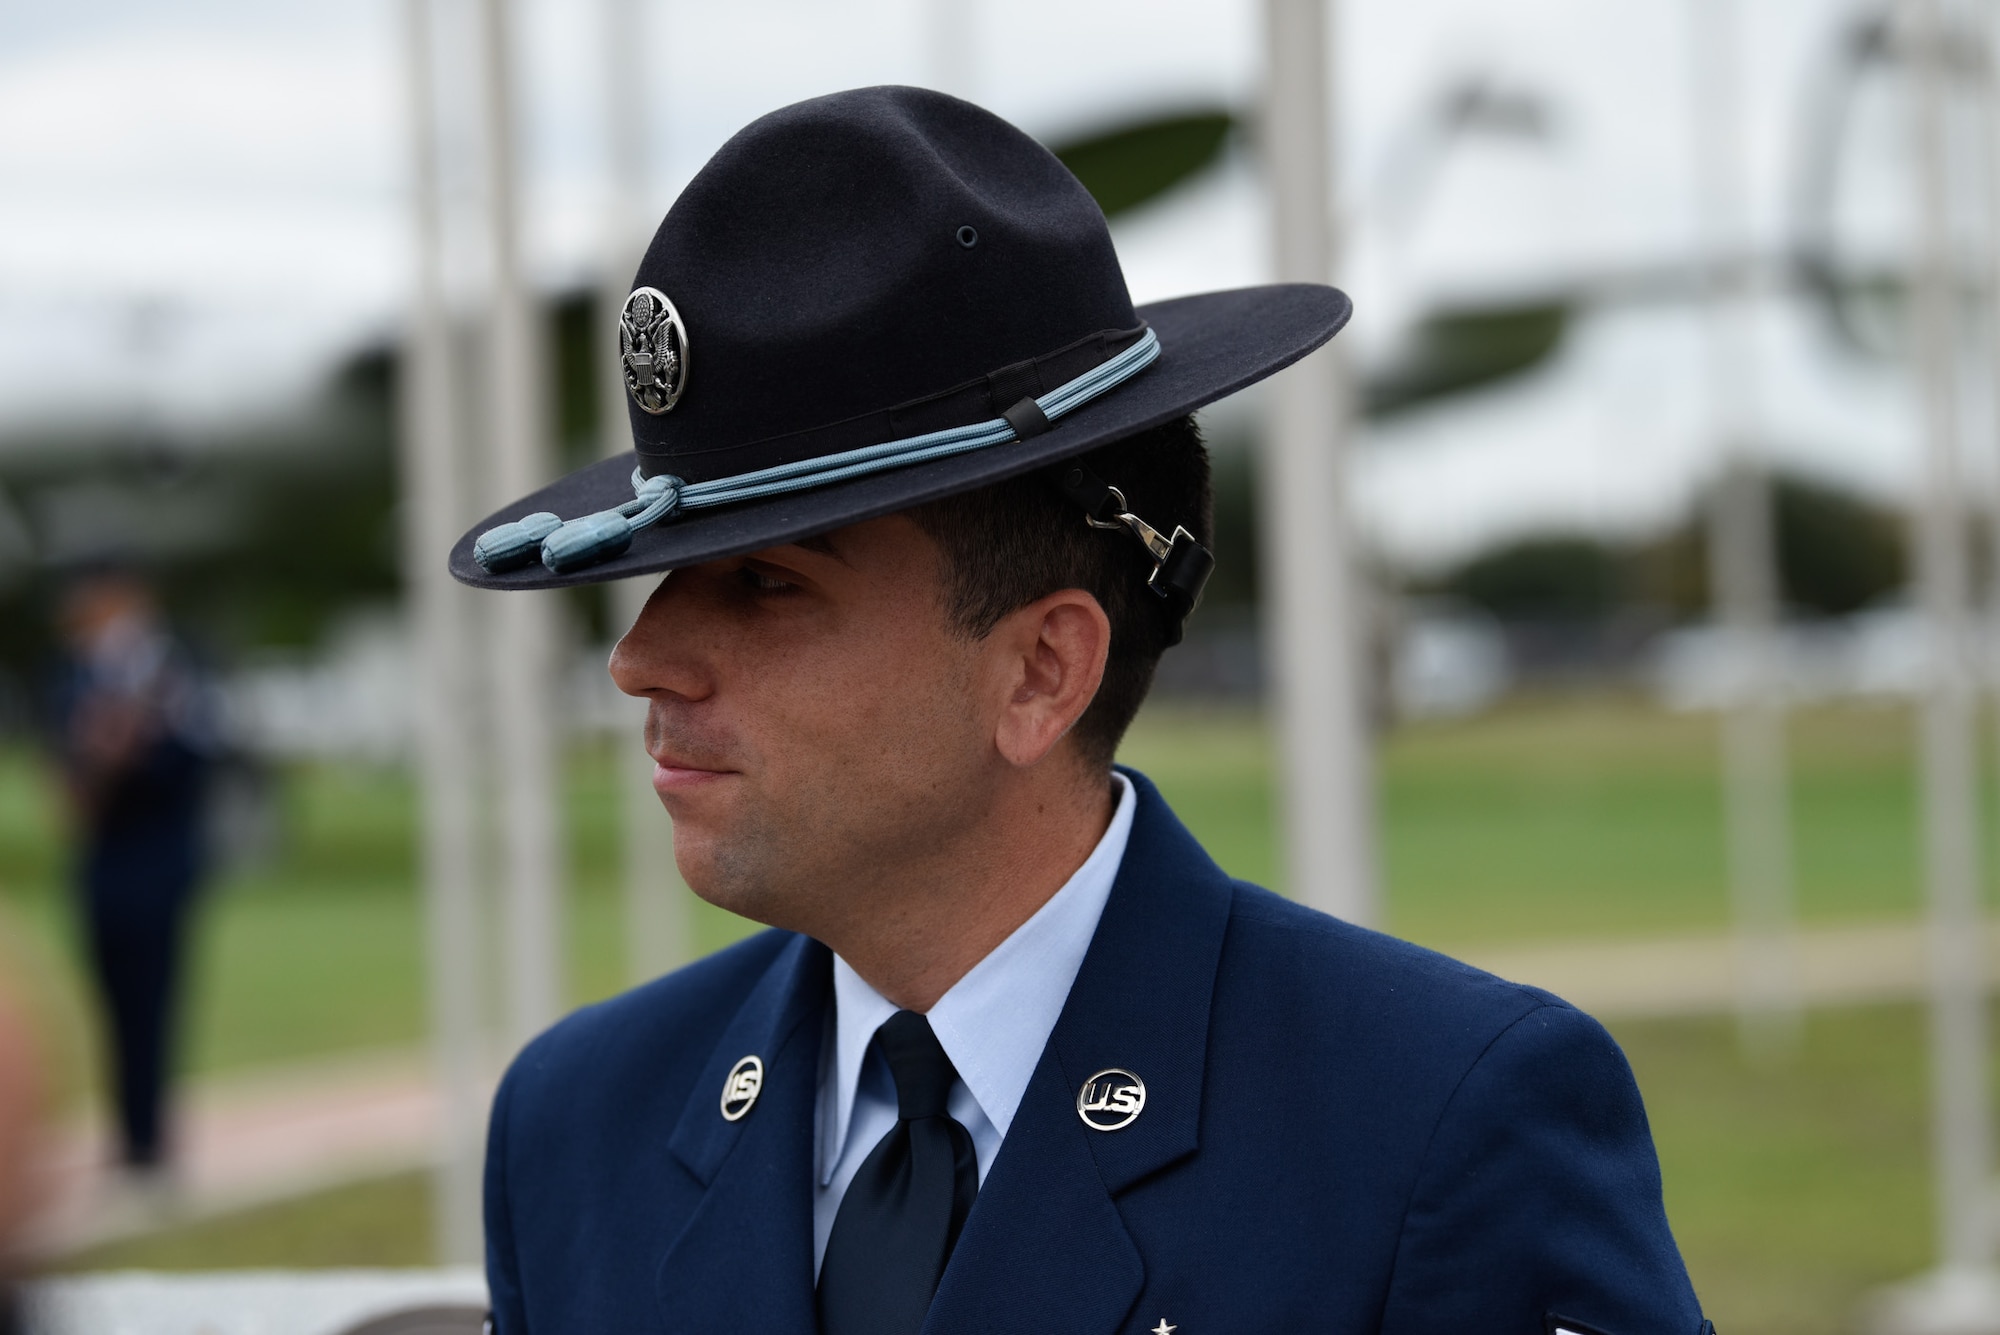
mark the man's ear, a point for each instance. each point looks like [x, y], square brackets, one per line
[1053, 654]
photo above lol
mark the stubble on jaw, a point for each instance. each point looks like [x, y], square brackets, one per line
[892, 789]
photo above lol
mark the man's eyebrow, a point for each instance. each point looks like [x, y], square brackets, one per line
[821, 543]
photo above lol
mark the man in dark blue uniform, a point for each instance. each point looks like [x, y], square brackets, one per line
[136, 742]
[1016, 1055]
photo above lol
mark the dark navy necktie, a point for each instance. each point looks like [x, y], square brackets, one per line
[903, 1211]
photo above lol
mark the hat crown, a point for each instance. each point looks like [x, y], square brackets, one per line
[822, 264]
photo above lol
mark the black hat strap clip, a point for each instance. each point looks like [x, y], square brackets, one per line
[1182, 565]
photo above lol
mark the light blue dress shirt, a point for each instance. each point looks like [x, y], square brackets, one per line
[993, 1024]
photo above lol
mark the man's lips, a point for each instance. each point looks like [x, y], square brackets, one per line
[672, 775]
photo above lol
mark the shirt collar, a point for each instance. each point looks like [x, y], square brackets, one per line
[995, 1021]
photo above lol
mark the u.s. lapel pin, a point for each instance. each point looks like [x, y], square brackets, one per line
[740, 1090]
[1111, 1100]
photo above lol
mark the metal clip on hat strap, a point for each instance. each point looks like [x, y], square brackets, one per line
[1183, 565]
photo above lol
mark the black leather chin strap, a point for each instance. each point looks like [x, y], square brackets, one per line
[1182, 565]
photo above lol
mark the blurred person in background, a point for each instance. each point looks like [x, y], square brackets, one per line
[133, 734]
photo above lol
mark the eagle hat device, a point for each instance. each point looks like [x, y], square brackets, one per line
[872, 300]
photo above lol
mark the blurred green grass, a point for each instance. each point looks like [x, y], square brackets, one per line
[1792, 1188]
[385, 1222]
[1568, 818]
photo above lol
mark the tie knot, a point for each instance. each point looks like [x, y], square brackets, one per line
[917, 1061]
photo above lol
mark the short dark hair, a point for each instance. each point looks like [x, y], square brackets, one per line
[1007, 544]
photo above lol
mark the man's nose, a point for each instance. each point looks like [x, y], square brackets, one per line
[657, 654]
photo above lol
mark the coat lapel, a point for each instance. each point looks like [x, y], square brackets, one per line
[744, 1261]
[1045, 1246]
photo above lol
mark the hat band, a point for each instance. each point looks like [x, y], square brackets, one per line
[571, 545]
[700, 459]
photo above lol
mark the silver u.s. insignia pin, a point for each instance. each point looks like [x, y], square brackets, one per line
[1111, 1100]
[653, 343]
[740, 1090]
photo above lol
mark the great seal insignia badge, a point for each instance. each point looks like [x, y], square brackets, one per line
[1111, 1100]
[740, 1090]
[653, 344]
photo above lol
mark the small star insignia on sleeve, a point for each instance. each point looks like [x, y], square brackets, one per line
[1163, 1328]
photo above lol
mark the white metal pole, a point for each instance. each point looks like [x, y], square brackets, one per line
[1315, 622]
[1990, 96]
[657, 936]
[526, 626]
[1990, 128]
[1741, 556]
[438, 617]
[952, 48]
[1962, 1108]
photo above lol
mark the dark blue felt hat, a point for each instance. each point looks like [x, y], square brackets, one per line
[864, 302]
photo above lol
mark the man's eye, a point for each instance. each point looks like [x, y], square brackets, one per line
[763, 583]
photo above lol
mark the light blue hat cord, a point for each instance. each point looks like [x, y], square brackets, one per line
[571, 545]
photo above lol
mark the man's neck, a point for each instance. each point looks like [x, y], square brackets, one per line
[917, 937]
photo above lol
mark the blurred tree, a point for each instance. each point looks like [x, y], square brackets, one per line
[1457, 350]
[252, 539]
[1545, 578]
[260, 536]
[1232, 471]
[1138, 161]
[576, 343]
[1837, 552]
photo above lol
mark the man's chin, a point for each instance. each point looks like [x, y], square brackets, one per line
[721, 872]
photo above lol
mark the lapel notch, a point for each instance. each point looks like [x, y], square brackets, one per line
[1046, 1247]
[744, 1259]
[1141, 1000]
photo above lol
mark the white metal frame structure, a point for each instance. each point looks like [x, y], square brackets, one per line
[1315, 623]
[1962, 1296]
[1743, 584]
[440, 617]
[439, 462]
[657, 935]
[523, 657]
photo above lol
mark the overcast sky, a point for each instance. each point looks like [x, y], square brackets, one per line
[202, 204]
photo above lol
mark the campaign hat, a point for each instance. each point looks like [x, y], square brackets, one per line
[862, 303]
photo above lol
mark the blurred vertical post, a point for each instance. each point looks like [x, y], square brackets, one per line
[656, 916]
[1962, 1112]
[525, 625]
[1741, 556]
[1990, 128]
[429, 442]
[1989, 89]
[950, 46]
[1314, 621]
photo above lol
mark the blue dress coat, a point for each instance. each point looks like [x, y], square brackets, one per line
[1342, 1133]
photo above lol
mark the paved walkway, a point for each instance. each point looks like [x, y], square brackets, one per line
[1696, 975]
[268, 1135]
[249, 1139]
[258, 1302]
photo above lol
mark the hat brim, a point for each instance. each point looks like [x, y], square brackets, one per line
[1210, 346]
